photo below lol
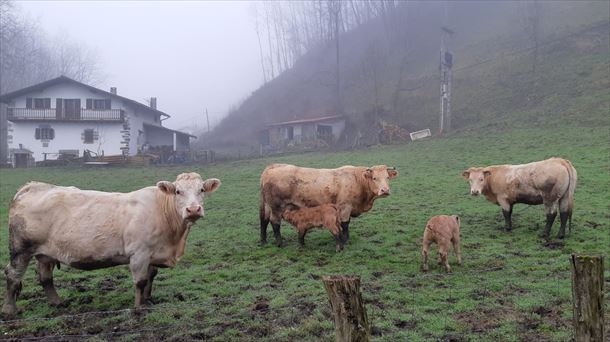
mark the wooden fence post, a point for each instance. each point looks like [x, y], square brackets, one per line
[351, 321]
[588, 297]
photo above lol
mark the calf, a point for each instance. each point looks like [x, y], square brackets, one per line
[304, 219]
[88, 230]
[445, 231]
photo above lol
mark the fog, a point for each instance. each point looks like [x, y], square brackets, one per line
[191, 55]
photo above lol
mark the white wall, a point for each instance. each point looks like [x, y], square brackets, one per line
[68, 136]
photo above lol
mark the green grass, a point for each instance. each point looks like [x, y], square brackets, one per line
[511, 287]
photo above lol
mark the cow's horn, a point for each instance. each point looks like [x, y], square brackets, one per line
[392, 168]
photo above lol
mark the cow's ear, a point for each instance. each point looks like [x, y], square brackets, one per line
[167, 187]
[211, 185]
[368, 173]
[466, 174]
[457, 219]
[486, 173]
[392, 173]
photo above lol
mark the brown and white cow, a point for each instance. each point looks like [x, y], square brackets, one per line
[88, 230]
[550, 182]
[353, 189]
[305, 219]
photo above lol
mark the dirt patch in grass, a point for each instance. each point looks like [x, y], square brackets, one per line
[554, 244]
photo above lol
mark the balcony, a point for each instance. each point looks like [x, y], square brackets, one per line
[53, 114]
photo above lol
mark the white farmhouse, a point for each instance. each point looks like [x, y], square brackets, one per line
[64, 116]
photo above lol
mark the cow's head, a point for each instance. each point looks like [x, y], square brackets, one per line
[187, 193]
[478, 179]
[378, 178]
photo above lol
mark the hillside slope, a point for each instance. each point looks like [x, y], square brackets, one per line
[389, 70]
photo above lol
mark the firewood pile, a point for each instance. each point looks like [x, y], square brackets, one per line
[391, 133]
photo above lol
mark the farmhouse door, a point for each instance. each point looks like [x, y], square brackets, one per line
[72, 109]
[21, 160]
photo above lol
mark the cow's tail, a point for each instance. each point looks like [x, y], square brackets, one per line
[573, 176]
[264, 210]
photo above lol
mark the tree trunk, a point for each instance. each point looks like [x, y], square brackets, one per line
[588, 298]
[351, 320]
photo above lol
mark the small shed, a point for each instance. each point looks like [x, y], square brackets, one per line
[303, 131]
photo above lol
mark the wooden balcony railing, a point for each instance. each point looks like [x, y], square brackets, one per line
[52, 114]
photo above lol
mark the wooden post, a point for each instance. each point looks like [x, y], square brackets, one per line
[588, 298]
[351, 321]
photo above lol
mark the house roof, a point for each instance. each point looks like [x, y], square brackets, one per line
[63, 79]
[308, 120]
[169, 129]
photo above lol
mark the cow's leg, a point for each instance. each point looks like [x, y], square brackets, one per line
[14, 272]
[444, 255]
[335, 229]
[551, 213]
[345, 231]
[564, 214]
[264, 218]
[45, 277]
[424, 255]
[275, 223]
[456, 249]
[508, 222]
[138, 265]
[302, 238]
[152, 272]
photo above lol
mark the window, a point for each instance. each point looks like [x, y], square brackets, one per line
[45, 133]
[88, 136]
[98, 104]
[37, 103]
[290, 132]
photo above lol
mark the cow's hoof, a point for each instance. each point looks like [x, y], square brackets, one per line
[262, 242]
[424, 269]
[338, 249]
[56, 301]
[561, 236]
[279, 243]
[448, 269]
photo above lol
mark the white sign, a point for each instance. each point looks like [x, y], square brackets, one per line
[420, 134]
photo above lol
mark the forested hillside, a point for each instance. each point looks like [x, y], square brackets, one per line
[529, 62]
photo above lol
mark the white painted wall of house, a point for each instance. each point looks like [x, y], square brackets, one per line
[68, 136]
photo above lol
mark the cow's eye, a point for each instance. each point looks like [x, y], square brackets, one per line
[481, 179]
[177, 192]
[202, 190]
[374, 178]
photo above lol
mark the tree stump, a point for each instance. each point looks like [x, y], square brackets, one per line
[588, 298]
[351, 320]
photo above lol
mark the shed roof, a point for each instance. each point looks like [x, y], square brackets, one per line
[309, 120]
[170, 130]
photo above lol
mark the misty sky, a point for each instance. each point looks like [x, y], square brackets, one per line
[189, 54]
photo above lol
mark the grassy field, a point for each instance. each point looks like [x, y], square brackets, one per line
[512, 286]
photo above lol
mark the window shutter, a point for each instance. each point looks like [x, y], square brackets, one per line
[107, 105]
[89, 103]
[37, 134]
[51, 133]
[58, 105]
[28, 102]
[47, 102]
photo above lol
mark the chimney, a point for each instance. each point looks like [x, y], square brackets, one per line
[113, 90]
[153, 102]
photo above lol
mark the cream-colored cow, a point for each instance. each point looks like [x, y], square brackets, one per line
[88, 230]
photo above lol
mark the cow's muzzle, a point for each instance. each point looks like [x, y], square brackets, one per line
[474, 192]
[194, 212]
[384, 192]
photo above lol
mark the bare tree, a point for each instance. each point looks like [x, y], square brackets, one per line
[28, 57]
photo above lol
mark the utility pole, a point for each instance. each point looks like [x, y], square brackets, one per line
[446, 64]
[207, 118]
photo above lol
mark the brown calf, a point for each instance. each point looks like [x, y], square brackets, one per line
[305, 219]
[445, 231]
